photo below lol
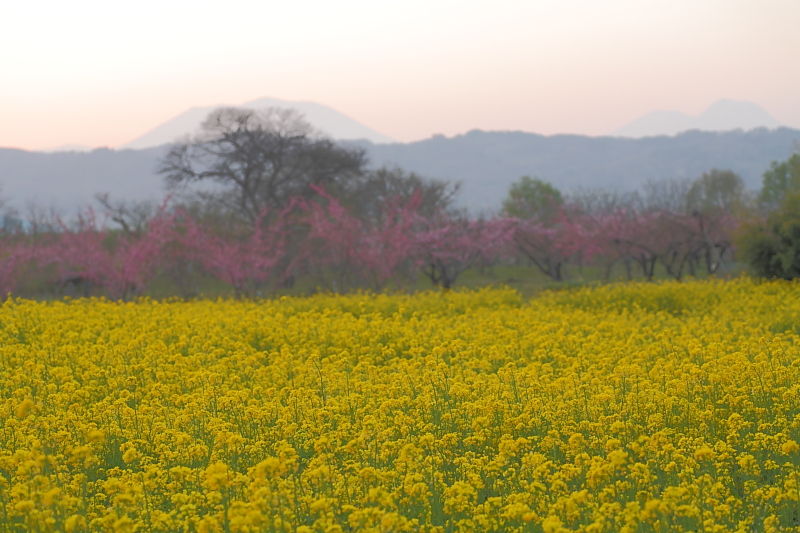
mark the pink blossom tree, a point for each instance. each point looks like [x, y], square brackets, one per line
[247, 258]
[551, 243]
[344, 251]
[123, 264]
[389, 243]
[447, 245]
[331, 246]
[16, 255]
[624, 235]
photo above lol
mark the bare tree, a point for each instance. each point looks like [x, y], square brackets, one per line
[667, 195]
[260, 159]
[40, 219]
[9, 216]
[132, 217]
[599, 201]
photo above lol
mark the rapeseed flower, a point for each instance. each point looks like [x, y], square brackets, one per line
[636, 407]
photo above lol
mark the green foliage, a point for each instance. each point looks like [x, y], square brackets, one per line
[716, 190]
[367, 196]
[532, 198]
[773, 249]
[779, 180]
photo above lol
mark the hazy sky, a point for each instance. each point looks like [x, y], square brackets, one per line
[102, 73]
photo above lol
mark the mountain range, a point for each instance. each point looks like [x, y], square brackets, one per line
[663, 144]
[485, 162]
[723, 115]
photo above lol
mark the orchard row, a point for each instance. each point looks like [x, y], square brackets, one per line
[340, 251]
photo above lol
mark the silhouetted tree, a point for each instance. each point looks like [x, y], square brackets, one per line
[260, 160]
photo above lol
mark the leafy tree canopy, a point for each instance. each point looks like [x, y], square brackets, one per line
[780, 179]
[532, 198]
[716, 191]
[773, 249]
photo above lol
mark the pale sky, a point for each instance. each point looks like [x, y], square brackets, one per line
[102, 73]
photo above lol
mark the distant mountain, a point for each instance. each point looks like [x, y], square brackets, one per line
[323, 118]
[488, 162]
[485, 162]
[67, 180]
[69, 148]
[724, 115]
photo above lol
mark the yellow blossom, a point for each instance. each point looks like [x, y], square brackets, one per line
[591, 409]
[789, 447]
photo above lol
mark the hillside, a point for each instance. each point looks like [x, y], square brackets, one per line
[486, 163]
[71, 179]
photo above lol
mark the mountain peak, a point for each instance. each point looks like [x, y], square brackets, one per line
[325, 119]
[722, 115]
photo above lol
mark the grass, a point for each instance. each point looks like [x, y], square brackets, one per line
[527, 280]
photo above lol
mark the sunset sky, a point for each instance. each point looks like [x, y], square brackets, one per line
[102, 73]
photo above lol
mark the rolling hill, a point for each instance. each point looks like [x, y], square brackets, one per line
[485, 162]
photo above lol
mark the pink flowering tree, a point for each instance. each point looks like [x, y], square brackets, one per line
[608, 231]
[388, 244]
[16, 256]
[678, 241]
[79, 254]
[343, 251]
[688, 241]
[625, 236]
[331, 245]
[552, 243]
[247, 257]
[122, 264]
[446, 245]
[542, 245]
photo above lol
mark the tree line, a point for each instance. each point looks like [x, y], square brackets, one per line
[259, 199]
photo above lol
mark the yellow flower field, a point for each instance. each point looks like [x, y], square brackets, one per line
[636, 407]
